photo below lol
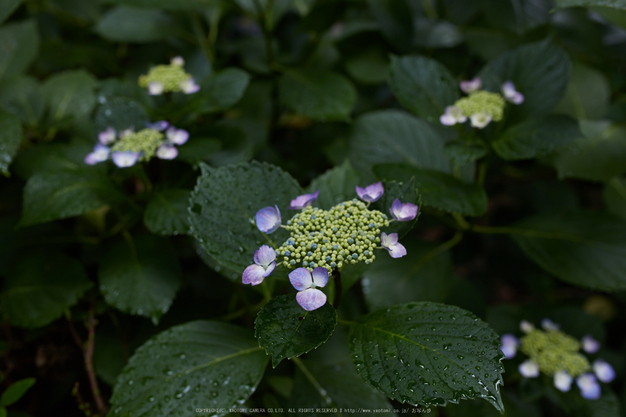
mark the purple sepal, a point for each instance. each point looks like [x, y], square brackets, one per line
[528, 369]
[177, 136]
[471, 85]
[371, 193]
[107, 136]
[268, 219]
[390, 242]
[264, 255]
[311, 299]
[511, 94]
[509, 345]
[403, 212]
[590, 345]
[100, 154]
[189, 86]
[589, 387]
[603, 370]
[155, 88]
[124, 159]
[166, 152]
[303, 201]
[562, 381]
[301, 279]
[161, 125]
[253, 275]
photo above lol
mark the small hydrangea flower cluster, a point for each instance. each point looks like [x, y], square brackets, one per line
[323, 240]
[480, 106]
[169, 78]
[556, 354]
[128, 147]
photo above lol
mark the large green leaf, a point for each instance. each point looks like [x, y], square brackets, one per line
[440, 190]
[335, 185]
[221, 90]
[540, 71]
[320, 95]
[7, 7]
[392, 136]
[587, 95]
[10, 139]
[599, 155]
[583, 248]
[198, 150]
[66, 193]
[166, 4]
[41, 287]
[617, 4]
[395, 20]
[285, 329]
[422, 85]
[141, 276]
[130, 24]
[536, 137]
[120, 113]
[224, 204]
[422, 275]
[615, 197]
[201, 364]
[428, 353]
[167, 212]
[70, 93]
[22, 96]
[15, 391]
[20, 47]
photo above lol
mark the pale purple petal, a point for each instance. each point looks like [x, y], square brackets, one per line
[447, 119]
[603, 370]
[155, 88]
[161, 125]
[177, 136]
[371, 193]
[301, 279]
[403, 211]
[548, 324]
[177, 61]
[303, 201]
[529, 369]
[264, 256]
[270, 268]
[126, 132]
[387, 240]
[166, 152]
[107, 136]
[526, 326]
[509, 345]
[471, 85]
[589, 387]
[100, 154]
[320, 276]
[480, 120]
[511, 94]
[124, 159]
[590, 345]
[189, 86]
[311, 299]
[563, 381]
[253, 275]
[452, 116]
[268, 219]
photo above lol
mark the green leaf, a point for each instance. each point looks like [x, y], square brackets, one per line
[540, 71]
[536, 137]
[65, 193]
[224, 205]
[70, 93]
[572, 403]
[428, 353]
[391, 136]
[320, 95]
[395, 19]
[425, 274]
[587, 95]
[16, 391]
[166, 4]
[368, 67]
[285, 329]
[597, 156]
[22, 96]
[7, 7]
[120, 113]
[422, 85]
[466, 151]
[221, 90]
[440, 190]
[201, 364]
[615, 197]
[20, 47]
[617, 4]
[141, 276]
[10, 139]
[167, 212]
[583, 248]
[335, 186]
[130, 24]
[41, 287]
[198, 150]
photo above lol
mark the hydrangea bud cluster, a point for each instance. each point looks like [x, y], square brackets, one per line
[480, 106]
[556, 354]
[324, 240]
[169, 78]
[128, 147]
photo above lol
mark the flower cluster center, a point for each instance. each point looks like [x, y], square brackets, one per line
[482, 102]
[553, 351]
[144, 142]
[170, 76]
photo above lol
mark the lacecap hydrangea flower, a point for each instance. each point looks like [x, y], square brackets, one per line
[324, 240]
[128, 147]
[480, 107]
[556, 354]
[169, 78]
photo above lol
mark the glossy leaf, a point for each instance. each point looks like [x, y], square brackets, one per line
[335, 185]
[16, 391]
[70, 93]
[463, 152]
[320, 95]
[391, 136]
[201, 363]
[536, 137]
[583, 248]
[22, 96]
[615, 197]
[428, 354]
[440, 190]
[422, 85]
[120, 113]
[587, 95]
[167, 212]
[221, 90]
[129, 24]
[10, 139]
[41, 287]
[394, 19]
[141, 276]
[285, 329]
[7, 7]
[20, 47]
[224, 204]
